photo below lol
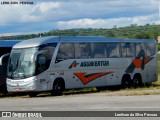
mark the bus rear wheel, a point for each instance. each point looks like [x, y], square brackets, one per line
[58, 88]
[137, 82]
[126, 82]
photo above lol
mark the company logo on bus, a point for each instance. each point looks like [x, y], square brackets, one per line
[74, 64]
[89, 64]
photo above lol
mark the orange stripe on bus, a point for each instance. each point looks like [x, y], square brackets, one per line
[137, 63]
[85, 80]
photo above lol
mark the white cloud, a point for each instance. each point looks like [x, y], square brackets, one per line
[77, 14]
[46, 6]
[108, 23]
[16, 14]
[73, 9]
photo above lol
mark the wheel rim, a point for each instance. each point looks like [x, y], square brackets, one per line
[57, 89]
[58, 86]
[136, 82]
[125, 84]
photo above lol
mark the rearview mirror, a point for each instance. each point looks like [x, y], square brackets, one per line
[2, 57]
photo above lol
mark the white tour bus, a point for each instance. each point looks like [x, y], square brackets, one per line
[58, 63]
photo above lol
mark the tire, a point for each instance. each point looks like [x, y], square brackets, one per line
[58, 88]
[32, 94]
[126, 82]
[137, 82]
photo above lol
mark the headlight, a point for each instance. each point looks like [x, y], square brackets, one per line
[29, 82]
[8, 81]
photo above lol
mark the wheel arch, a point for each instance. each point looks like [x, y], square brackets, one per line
[125, 76]
[138, 75]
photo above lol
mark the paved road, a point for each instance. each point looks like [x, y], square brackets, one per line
[83, 102]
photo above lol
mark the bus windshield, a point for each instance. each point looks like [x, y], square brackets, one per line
[20, 65]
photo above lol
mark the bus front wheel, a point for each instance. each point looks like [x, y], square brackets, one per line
[58, 88]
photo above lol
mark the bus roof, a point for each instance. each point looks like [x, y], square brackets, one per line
[101, 39]
[8, 43]
[55, 39]
[37, 41]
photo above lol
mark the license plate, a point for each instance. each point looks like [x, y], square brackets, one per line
[18, 89]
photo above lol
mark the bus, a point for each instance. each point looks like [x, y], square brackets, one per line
[58, 63]
[5, 49]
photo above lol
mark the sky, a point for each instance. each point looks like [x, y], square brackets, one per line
[46, 15]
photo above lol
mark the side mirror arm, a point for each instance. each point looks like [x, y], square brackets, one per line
[33, 58]
[2, 57]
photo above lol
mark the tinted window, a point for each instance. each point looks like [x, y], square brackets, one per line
[140, 50]
[99, 50]
[82, 50]
[128, 49]
[49, 48]
[151, 49]
[44, 59]
[66, 51]
[113, 50]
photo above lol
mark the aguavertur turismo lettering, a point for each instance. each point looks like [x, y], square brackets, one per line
[94, 63]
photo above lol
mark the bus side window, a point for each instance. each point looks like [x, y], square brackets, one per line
[99, 50]
[128, 49]
[44, 59]
[123, 50]
[50, 48]
[41, 63]
[66, 51]
[140, 50]
[151, 49]
[82, 50]
[113, 50]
